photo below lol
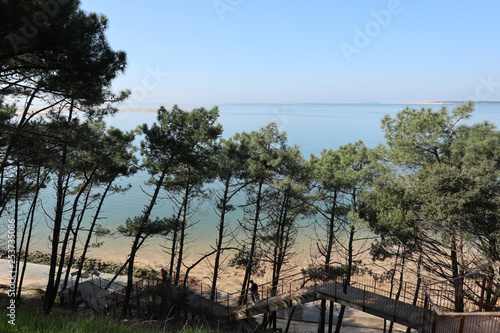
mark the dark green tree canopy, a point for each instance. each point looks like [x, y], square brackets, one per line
[160, 227]
[471, 144]
[420, 136]
[179, 137]
[442, 197]
[53, 47]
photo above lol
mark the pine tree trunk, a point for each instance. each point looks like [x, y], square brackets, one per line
[328, 258]
[51, 290]
[224, 202]
[87, 242]
[248, 270]
[138, 241]
[183, 229]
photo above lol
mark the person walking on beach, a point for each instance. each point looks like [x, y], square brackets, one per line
[254, 291]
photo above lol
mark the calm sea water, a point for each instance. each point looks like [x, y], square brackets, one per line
[313, 127]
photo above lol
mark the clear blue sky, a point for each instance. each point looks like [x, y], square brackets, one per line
[324, 51]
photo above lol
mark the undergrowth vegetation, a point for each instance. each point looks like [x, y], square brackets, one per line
[30, 319]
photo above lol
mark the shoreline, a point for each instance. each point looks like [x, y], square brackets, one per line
[229, 278]
[151, 259]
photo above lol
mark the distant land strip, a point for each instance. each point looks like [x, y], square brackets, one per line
[20, 110]
[451, 102]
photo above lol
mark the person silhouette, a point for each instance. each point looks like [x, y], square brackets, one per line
[165, 277]
[254, 292]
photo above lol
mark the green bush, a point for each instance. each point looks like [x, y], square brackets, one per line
[29, 319]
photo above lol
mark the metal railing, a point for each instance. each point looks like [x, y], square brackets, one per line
[287, 291]
[402, 291]
[459, 305]
[438, 300]
[292, 286]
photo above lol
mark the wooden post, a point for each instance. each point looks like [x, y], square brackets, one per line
[330, 321]
[364, 297]
[434, 322]
[462, 324]
[404, 293]
[424, 316]
[395, 308]
[212, 308]
[137, 295]
[460, 306]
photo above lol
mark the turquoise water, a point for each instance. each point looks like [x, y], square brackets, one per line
[313, 127]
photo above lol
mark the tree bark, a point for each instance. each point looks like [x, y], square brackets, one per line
[51, 290]
[137, 241]
[224, 202]
[87, 242]
[328, 258]
[183, 228]
[174, 240]
[29, 221]
[248, 270]
[69, 230]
